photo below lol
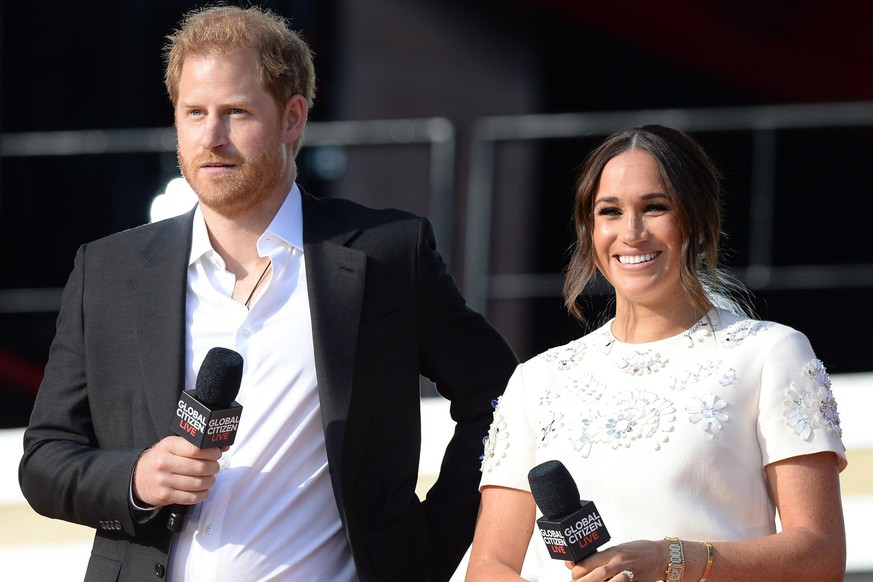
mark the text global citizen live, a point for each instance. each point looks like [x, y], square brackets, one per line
[203, 427]
[573, 539]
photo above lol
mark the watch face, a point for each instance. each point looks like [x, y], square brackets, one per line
[674, 573]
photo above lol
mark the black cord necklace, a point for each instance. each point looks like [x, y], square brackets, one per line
[261, 278]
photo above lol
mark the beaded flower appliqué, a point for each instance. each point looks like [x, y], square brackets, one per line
[623, 418]
[707, 411]
[812, 405]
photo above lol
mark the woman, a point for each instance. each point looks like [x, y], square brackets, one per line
[681, 417]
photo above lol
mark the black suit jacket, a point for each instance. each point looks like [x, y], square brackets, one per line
[384, 310]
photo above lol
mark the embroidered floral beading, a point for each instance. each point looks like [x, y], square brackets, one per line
[708, 412]
[579, 389]
[603, 339]
[495, 442]
[815, 369]
[735, 334]
[584, 388]
[549, 429]
[621, 419]
[812, 405]
[566, 356]
[642, 362]
[699, 332]
[694, 375]
[729, 378]
[582, 441]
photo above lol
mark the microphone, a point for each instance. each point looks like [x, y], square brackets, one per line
[208, 415]
[572, 528]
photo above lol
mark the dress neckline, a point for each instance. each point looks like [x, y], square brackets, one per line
[705, 322]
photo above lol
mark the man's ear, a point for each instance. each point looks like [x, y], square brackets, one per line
[294, 118]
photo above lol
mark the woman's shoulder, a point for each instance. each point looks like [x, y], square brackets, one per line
[566, 356]
[734, 330]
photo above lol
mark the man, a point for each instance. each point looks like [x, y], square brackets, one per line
[336, 310]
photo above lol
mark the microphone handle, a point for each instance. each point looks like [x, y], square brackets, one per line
[178, 516]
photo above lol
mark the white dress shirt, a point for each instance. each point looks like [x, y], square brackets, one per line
[271, 514]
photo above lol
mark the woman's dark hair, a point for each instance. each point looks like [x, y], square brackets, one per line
[693, 188]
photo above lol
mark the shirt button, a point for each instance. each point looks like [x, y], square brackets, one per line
[209, 529]
[246, 333]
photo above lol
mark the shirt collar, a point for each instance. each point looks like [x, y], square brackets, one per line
[286, 226]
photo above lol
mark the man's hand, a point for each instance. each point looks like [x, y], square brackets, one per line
[175, 471]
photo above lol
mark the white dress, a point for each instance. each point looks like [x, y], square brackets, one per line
[668, 438]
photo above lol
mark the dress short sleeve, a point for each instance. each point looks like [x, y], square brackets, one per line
[797, 409]
[510, 430]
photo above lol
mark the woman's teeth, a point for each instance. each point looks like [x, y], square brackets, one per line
[634, 259]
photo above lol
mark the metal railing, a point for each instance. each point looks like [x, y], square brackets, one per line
[438, 133]
[763, 122]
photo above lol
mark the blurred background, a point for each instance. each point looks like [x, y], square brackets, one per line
[477, 113]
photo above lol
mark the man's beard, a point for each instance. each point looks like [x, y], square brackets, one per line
[253, 180]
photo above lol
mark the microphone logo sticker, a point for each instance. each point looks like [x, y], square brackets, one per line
[222, 428]
[584, 531]
[203, 426]
[575, 535]
[191, 420]
[554, 540]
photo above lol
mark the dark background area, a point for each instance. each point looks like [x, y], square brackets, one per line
[97, 65]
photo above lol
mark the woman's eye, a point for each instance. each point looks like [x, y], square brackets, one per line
[657, 208]
[608, 211]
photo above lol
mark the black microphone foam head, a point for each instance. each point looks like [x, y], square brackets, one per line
[219, 378]
[554, 489]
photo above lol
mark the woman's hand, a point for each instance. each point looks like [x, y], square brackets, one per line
[638, 561]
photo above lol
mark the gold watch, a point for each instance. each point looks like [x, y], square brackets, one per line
[676, 565]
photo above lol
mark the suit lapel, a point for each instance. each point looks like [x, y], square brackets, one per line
[335, 277]
[159, 289]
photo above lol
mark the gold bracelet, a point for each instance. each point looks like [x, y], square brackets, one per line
[708, 561]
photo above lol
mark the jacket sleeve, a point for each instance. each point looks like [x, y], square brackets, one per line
[470, 363]
[64, 473]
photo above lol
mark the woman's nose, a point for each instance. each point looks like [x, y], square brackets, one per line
[633, 229]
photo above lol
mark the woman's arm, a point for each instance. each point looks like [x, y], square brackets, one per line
[503, 531]
[811, 545]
